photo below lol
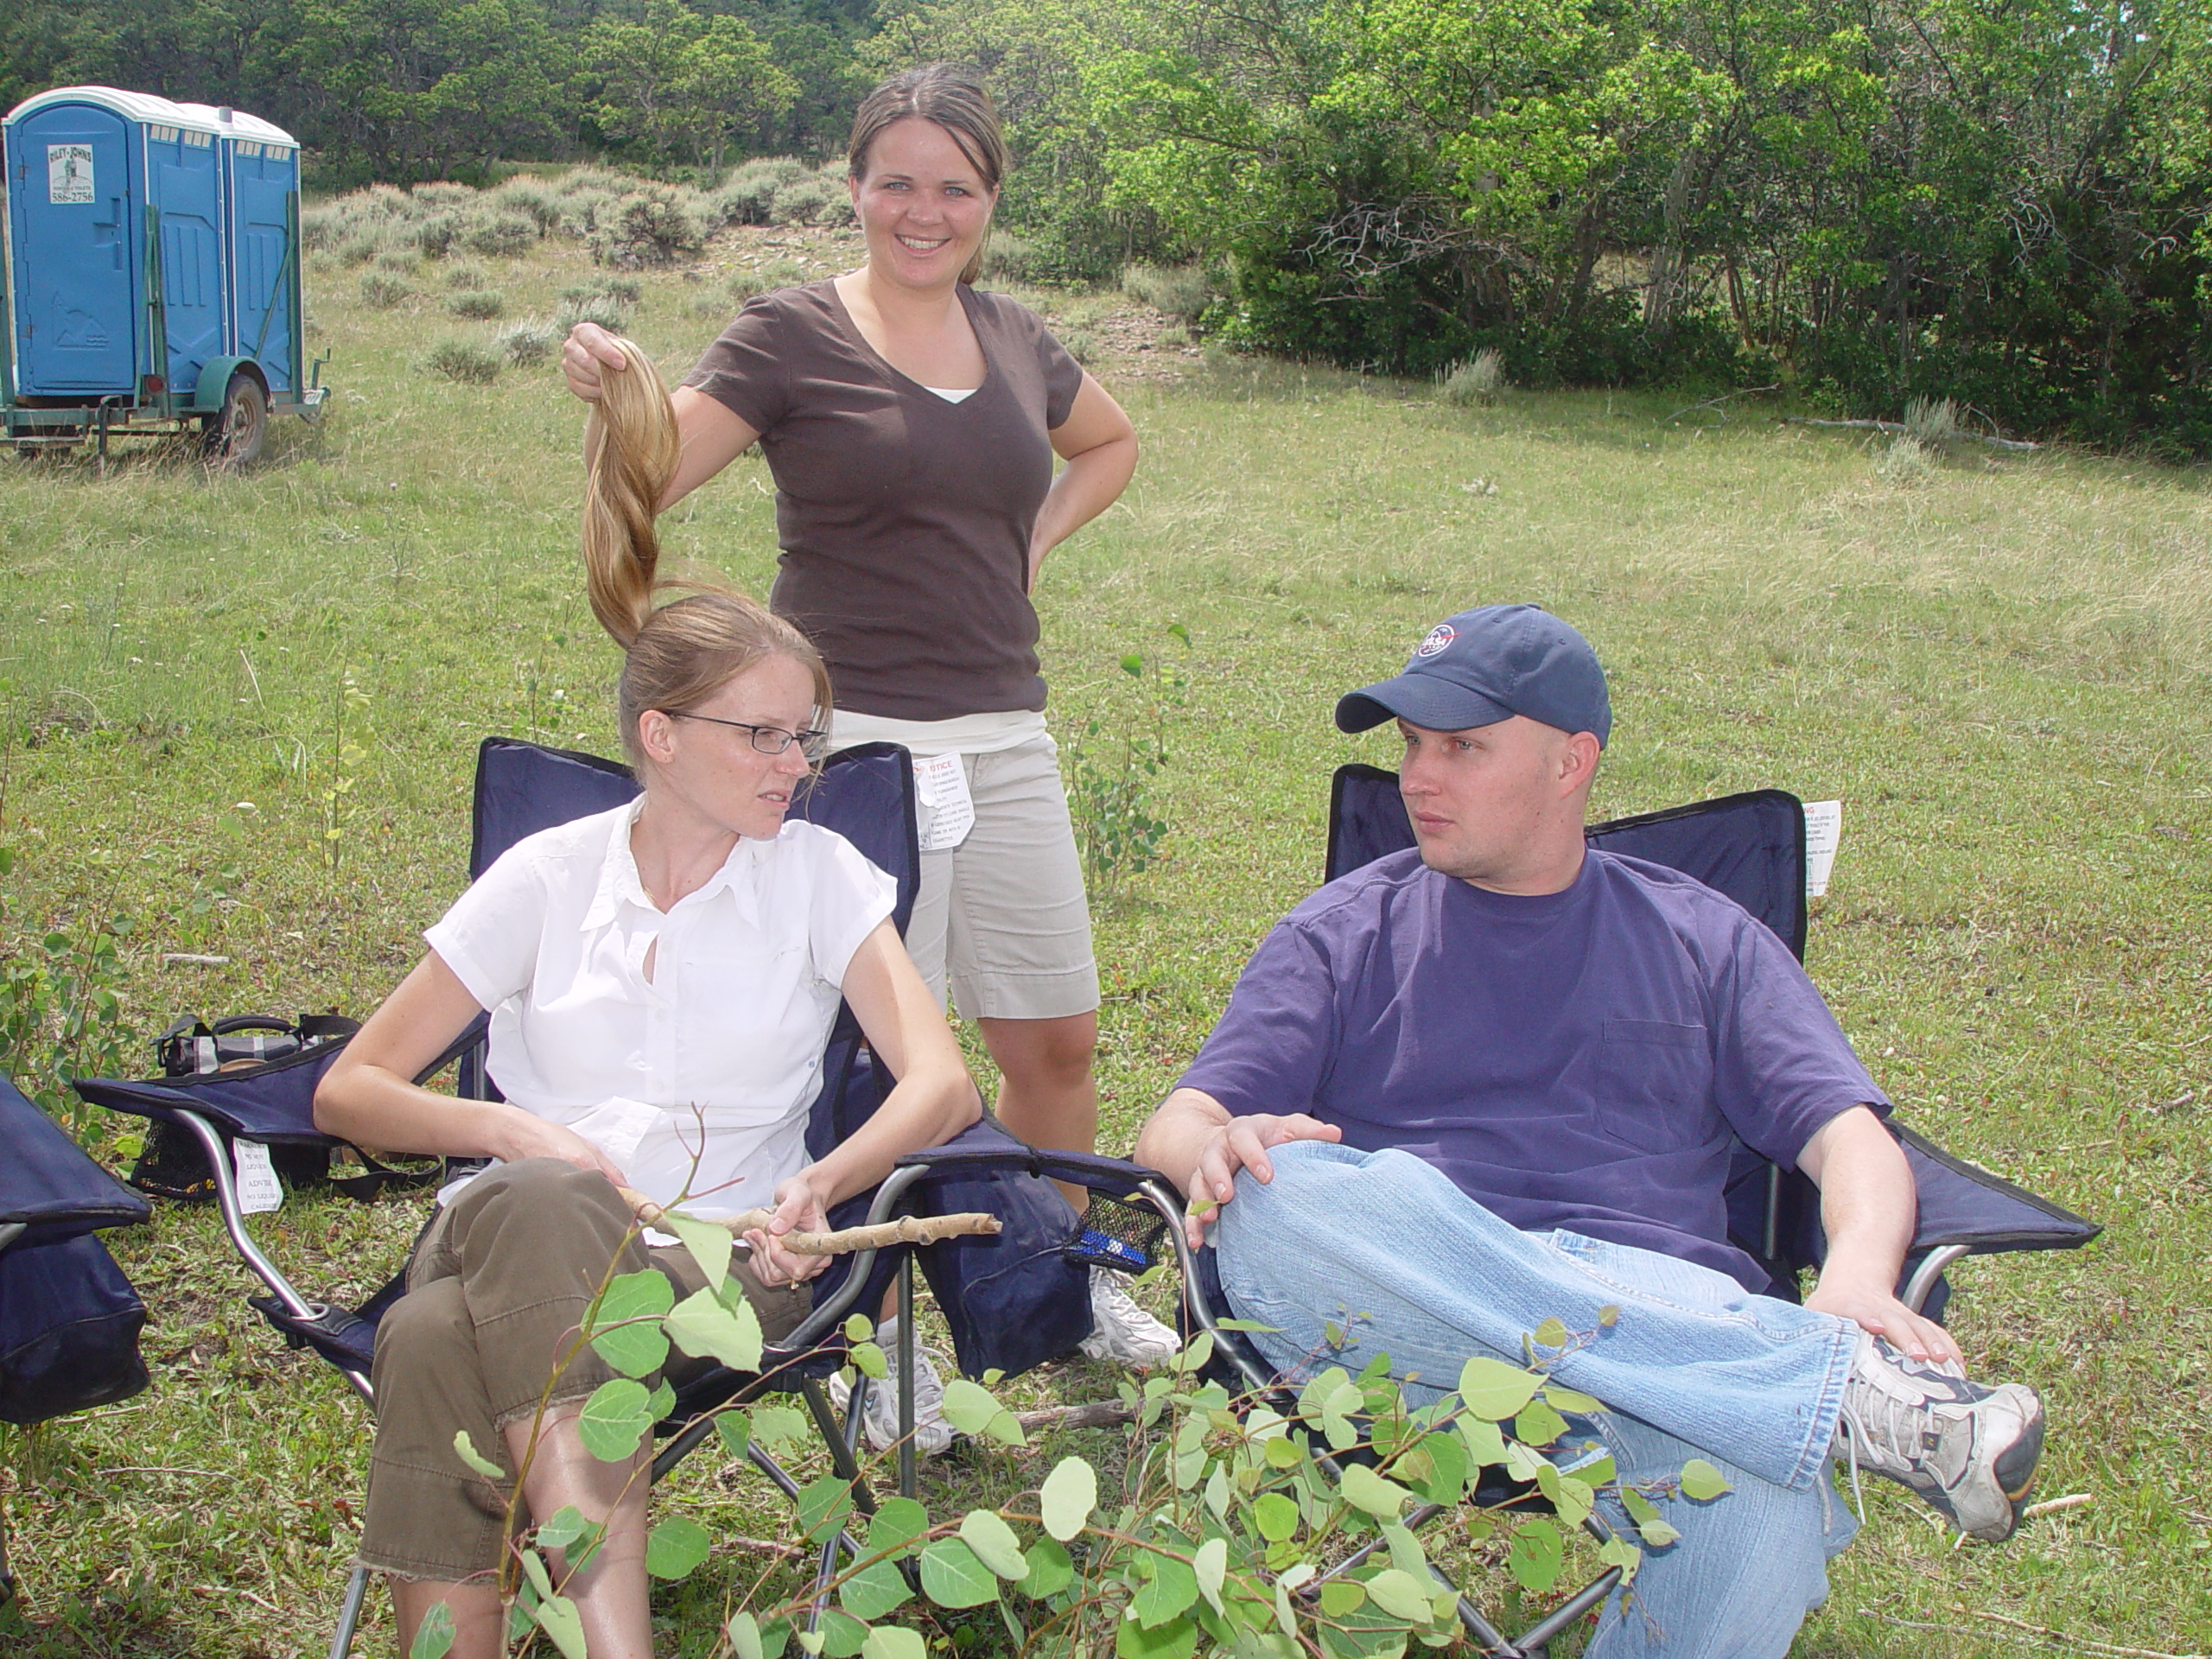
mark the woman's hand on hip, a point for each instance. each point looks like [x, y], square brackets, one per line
[802, 1206]
[590, 352]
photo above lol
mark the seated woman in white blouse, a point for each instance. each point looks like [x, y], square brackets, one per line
[662, 980]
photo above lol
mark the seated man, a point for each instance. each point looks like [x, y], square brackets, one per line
[1494, 1080]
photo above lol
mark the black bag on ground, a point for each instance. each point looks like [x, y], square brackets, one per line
[173, 1164]
[69, 1324]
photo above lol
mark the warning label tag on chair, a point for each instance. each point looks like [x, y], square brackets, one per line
[259, 1190]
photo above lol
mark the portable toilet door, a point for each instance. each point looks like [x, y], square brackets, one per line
[185, 185]
[75, 249]
[262, 167]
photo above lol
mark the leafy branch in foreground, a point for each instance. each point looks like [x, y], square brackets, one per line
[1282, 1525]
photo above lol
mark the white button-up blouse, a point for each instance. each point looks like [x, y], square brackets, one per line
[726, 1038]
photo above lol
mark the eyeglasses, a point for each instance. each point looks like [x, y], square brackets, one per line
[768, 740]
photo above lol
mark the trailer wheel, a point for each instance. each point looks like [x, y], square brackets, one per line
[235, 436]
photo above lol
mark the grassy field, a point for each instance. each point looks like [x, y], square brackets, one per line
[242, 712]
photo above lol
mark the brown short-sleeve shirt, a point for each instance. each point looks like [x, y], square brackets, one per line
[903, 518]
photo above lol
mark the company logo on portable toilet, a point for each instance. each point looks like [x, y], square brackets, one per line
[68, 173]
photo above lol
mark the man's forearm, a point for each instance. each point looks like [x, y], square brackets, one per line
[1177, 1132]
[1868, 1203]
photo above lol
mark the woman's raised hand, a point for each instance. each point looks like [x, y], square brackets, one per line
[589, 351]
[802, 1205]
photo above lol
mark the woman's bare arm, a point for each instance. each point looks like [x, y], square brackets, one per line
[1099, 447]
[368, 1096]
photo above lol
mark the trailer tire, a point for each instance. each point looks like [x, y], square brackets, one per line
[236, 435]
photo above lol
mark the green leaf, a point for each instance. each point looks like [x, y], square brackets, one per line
[675, 1547]
[1286, 1613]
[809, 1642]
[615, 1419]
[1552, 1333]
[1050, 1570]
[868, 1360]
[660, 1402]
[1656, 1533]
[897, 1524]
[1619, 1552]
[745, 1636]
[1133, 665]
[736, 1428]
[891, 1643]
[1399, 1593]
[567, 1526]
[1342, 1596]
[1436, 1468]
[1608, 1316]
[1283, 1453]
[1485, 1444]
[970, 1408]
[1535, 1555]
[533, 1569]
[709, 1244]
[640, 1348]
[703, 1328]
[1211, 1566]
[1572, 1400]
[1640, 1508]
[433, 1636]
[1538, 1425]
[1170, 1591]
[1491, 1388]
[557, 1617]
[994, 1543]
[1366, 1490]
[465, 1449]
[843, 1636]
[1702, 1481]
[875, 1590]
[780, 1428]
[952, 1576]
[1405, 1553]
[1177, 1639]
[823, 1504]
[1276, 1516]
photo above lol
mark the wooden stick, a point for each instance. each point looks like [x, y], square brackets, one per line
[907, 1230]
[1899, 426]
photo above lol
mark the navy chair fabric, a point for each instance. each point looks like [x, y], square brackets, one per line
[69, 1320]
[1752, 846]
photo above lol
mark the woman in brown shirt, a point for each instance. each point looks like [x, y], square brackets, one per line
[911, 423]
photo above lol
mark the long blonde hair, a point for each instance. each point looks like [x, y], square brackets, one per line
[678, 654]
[953, 97]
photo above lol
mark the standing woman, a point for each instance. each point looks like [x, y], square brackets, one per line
[911, 423]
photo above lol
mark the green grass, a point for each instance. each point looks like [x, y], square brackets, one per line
[2000, 665]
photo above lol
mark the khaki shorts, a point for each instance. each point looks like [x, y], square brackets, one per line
[1002, 915]
[495, 1290]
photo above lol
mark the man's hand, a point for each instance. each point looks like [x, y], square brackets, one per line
[802, 1205]
[1886, 1317]
[589, 352]
[1195, 1141]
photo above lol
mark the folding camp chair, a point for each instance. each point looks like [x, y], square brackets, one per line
[1751, 846]
[1013, 1300]
[69, 1320]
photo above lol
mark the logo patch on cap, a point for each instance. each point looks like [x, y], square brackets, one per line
[1439, 636]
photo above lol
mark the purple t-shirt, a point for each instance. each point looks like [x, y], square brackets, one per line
[1577, 1059]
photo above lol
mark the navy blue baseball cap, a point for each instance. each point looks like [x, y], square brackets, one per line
[1489, 664]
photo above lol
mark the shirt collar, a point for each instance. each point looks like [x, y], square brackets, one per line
[620, 884]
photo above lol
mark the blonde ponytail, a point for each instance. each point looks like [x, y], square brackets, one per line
[632, 442]
[678, 655]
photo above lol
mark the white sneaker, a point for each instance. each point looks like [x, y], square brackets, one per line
[1121, 1332]
[880, 1417]
[1969, 1450]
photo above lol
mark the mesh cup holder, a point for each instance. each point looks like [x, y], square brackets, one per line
[1125, 1237]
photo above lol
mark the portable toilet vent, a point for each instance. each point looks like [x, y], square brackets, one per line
[153, 254]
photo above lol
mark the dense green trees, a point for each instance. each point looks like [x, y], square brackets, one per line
[2002, 201]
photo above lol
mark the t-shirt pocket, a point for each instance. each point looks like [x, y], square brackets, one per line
[1655, 1082]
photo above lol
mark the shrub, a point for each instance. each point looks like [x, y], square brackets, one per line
[500, 235]
[384, 202]
[802, 201]
[1008, 257]
[434, 236]
[478, 305]
[360, 248]
[749, 193]
[380, 292]
[1080, 346]
[1932, 420]
[463, 362]
[396, 260]
[1907, 462]
[444, 193]
[464, 276]
[525, 345]
[598, 309]
[321, 227]
[654, 227]
[1179, 291]
[1478, 380]
[580, 214]
[532, 200]
[782, 273]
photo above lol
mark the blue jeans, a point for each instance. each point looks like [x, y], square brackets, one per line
[1385, 1249]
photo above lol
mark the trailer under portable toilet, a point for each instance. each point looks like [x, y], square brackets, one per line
[152, 267]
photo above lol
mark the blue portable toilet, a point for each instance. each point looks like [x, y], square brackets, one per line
[153, 260]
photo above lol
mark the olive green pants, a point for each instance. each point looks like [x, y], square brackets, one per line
[496, 1291]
